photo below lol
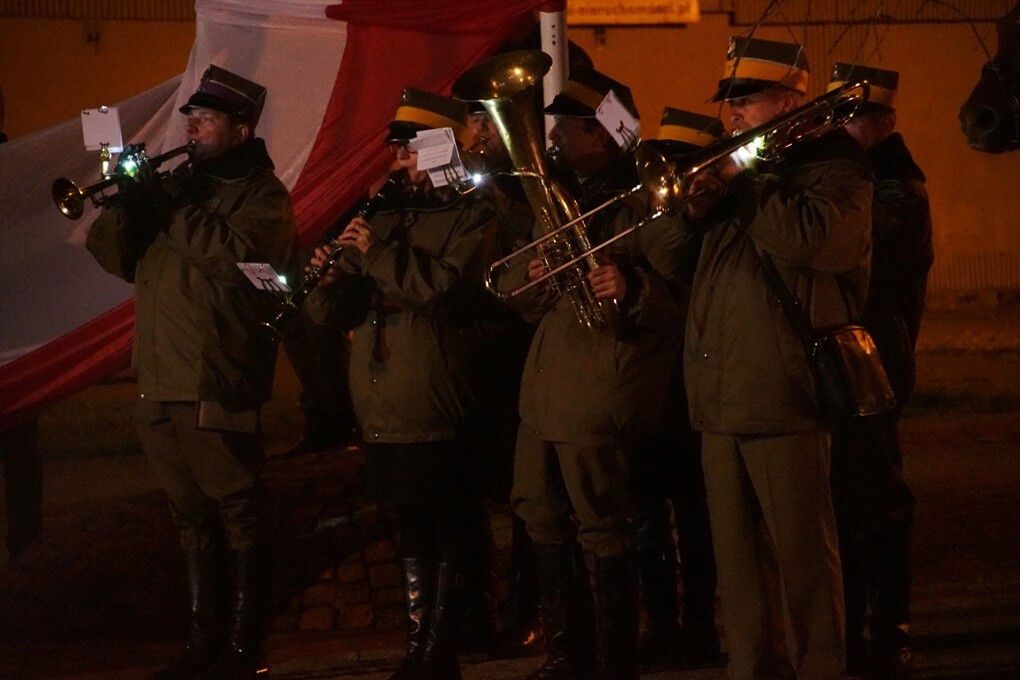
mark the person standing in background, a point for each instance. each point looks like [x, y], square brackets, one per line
[874, 506]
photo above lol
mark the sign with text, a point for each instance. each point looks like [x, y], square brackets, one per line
[615, 12]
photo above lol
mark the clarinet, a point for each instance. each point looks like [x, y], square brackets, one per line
[292, 303]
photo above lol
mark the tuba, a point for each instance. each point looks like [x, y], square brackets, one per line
[504, 85]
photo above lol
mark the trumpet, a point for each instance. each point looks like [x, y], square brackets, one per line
[292, 303]
[669, 180]
[70, 199]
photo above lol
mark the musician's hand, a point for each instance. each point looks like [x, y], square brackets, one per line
[536, 268]
[319, 258]
[729, 167]
[703, 194]
[608, 282]
[358, 234]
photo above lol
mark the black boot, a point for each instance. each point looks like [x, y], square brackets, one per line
[661, 642]
[480, 622]
[208, 590]
[617, 585]
[522, 629]
[889, 592]
[569, 614]
[420, 593]
[244, 656]
[439, 661]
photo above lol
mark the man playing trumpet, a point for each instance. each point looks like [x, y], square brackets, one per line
[202, 371]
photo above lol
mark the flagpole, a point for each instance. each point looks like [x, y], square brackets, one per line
[553, 22]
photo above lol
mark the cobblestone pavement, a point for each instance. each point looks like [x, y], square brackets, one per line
[100, 595]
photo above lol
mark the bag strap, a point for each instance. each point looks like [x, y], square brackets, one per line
[790, 303]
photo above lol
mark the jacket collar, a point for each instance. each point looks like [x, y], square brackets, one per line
[238, 162]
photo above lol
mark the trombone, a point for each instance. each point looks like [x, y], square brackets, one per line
[670, 186]
[70, 199]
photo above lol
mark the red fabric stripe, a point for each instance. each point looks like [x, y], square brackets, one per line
[37, 380]
[391, 44]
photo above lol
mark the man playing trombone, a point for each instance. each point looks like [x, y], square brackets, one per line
[588, 396]
[751, 392]
[202, 370]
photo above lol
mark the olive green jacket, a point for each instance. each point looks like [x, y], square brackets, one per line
[197, 316]
[604, 387]
[420, 318]
[746, 369]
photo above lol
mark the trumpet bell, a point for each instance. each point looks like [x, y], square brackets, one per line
[68, 198]
[660, 178]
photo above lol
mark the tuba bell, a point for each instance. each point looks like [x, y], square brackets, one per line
[505, 86]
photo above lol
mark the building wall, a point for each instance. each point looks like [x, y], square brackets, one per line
[50, 69]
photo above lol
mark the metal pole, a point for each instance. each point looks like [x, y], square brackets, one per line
[553, 22]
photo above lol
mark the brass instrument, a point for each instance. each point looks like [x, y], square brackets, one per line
[668, 180]
[293, 301]
[505, 86]
[70, 199]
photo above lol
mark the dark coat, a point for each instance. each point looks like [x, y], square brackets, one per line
[197, 316]
[902, 255]
[418, 310]
[600, 387]
[746, 370]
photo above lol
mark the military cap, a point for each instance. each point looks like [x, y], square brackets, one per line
[221, 90]
[584, 90]
[420, 110]
[753, 65]
[882, 83]
[683, 132]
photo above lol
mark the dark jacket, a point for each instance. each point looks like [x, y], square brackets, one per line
[902, 255]
[417, 307]
[196, 314]
[600, 387]
[746, 369]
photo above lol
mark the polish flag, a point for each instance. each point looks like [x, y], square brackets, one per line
[334, 74]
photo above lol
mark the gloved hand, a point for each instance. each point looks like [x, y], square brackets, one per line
[141, 180]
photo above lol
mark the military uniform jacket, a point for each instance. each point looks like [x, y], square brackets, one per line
[599, 387]
[196, 314]
[901, 257]
[746, 369]
[416, 304]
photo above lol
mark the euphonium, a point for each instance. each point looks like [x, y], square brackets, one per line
[505, 86]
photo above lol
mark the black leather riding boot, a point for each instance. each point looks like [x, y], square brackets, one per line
[439, 661]
[521, 634]
[480, 621]
[889, 589]
[617, 586]
[657, 566]
[207, 587]
[244, 656]
[419, 593]
[569, 614]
